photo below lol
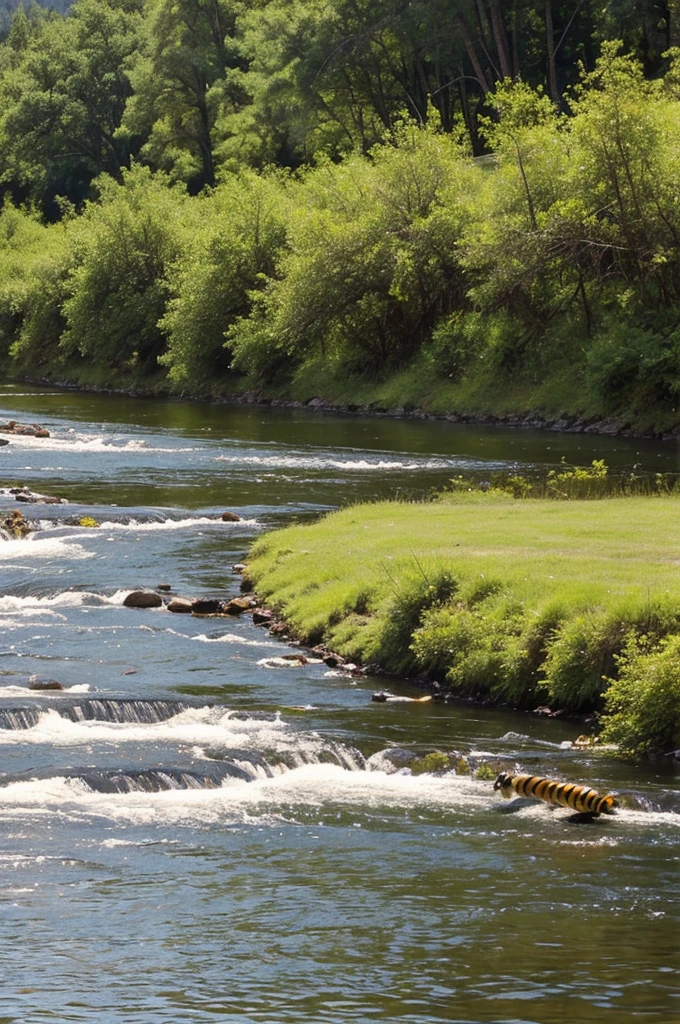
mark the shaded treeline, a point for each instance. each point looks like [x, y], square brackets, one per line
[196, 86]
[274, 190]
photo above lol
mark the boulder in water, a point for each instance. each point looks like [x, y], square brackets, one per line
[43, 683]
[33, 497]
[181, 605]
[262, 617]
[143, 599]
[238, 605]
[230, 517]
[207, 606]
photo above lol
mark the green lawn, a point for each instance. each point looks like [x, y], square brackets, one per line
[525, 601]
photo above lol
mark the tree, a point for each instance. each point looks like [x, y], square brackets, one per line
[179, 84]
[371, 266]
[122, 251]
[241, 233]
[63, 88]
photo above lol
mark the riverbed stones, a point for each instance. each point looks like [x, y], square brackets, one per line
[262, 617]
[181, 605]
[238, 605]
[207, 606]
[143, 599]
[25, 429]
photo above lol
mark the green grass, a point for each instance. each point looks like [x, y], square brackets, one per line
[525, 602]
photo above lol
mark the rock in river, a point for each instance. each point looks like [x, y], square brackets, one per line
[43, 683]
[143, 599]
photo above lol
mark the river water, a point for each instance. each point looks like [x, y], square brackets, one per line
[189, 834]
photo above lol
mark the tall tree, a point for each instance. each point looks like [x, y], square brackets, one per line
[63, 88]
[179, 83]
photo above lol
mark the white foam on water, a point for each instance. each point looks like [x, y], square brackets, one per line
[319, 462]
[24, 691]
[194, 727]
[171, 524]
[230, 638]
[36, 546]
[92, 443]
[31, 604]
[317, 786]
[294, 662]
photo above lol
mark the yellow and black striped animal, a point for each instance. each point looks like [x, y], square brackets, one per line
[566, 794]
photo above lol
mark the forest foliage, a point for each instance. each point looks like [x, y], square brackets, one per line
[205, 191]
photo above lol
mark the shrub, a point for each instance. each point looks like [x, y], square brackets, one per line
[411, 600]
[642, 712]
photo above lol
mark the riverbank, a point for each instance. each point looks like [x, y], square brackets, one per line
[445, 403]
[573, 606]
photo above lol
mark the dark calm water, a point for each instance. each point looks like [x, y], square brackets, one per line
[188, 834]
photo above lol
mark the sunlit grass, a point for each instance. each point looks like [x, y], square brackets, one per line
[587, 553]
[519, 600]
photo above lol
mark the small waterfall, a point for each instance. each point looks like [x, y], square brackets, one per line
[268, 763]
[156, 780]
[20, 718]
[135, 712]
[121, 712]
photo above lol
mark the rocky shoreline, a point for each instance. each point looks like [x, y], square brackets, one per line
[565, 423]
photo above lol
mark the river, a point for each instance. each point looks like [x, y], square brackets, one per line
[189, 834]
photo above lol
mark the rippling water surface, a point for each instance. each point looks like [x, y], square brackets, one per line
[191, 832]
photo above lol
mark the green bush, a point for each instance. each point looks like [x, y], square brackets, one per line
[642, 712]
[585, 651]
[412, 598]
[483, 651]
[635, 365]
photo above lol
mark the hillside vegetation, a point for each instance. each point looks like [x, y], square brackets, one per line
[377, 203]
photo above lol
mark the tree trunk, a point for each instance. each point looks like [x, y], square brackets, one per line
[550, 47]
[473, 56]
[501, 39]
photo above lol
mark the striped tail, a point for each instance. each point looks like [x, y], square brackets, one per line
[565, 794]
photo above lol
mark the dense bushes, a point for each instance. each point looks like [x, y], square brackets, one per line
[546, 274]
[643, 703]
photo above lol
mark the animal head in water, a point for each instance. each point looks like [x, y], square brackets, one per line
[504, 783]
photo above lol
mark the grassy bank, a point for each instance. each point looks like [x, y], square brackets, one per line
[572, 604]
